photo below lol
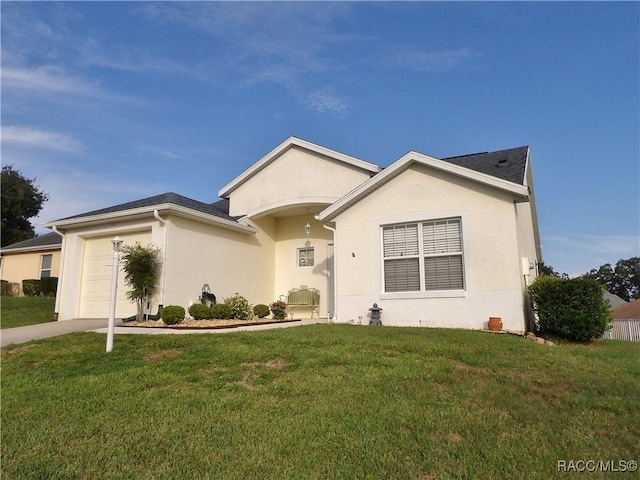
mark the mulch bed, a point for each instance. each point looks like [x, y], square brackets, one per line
[204, 324]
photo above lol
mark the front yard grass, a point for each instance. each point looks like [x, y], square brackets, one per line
[22, 311]
[316, 402]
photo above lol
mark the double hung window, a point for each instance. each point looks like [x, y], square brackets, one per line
[424, 256]
[45, 266]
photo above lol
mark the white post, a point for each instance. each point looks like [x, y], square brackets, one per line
[117, 242]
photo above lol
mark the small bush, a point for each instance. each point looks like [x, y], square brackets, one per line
[49, 286]
[278, 310]
[221, 311]
[10, 289]
[172, 314]
[200, 311]
[261, 310]
[574, 309]
[31, 287]
[240, 307]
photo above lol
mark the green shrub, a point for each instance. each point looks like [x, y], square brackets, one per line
[221, 311]
[261, 310]
[172, 314]
[574, 309]
[7, 289]
[240, 307]
[199, 311]
[31, 287]
[49, 286]
[278, 310]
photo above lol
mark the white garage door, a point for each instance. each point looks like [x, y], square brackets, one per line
[97, 266]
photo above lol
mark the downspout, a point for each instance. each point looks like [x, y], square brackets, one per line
[56, 310]
[164, 254]
[335, 273]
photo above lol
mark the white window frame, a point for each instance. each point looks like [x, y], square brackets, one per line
[421, 255]
[42, 269]
[299, 251]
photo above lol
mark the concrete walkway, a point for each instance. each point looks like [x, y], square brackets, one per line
[53, 329]
[49, 329]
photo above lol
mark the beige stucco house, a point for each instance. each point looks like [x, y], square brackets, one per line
[31, 259]
[434, 242]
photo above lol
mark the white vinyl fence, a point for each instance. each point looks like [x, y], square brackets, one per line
[624, 330]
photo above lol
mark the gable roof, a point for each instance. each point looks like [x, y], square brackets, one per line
[217, 212]
[48, 241]
[220, 209]
[499, 178]
[627, 311]
[289, 143]
[509, 165]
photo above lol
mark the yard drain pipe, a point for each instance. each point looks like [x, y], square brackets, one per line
[56, 310]
[335, 273]
[164, 253]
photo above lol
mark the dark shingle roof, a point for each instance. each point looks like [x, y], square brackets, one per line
[218, 209]
[507, 164]
[46, 240]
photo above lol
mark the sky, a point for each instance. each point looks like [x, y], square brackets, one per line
[109, 102]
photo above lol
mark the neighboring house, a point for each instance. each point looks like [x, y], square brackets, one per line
[434, 242]
[628, 311]
[614, 300]
[34, 258]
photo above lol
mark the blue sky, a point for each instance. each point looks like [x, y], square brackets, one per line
[107, 102]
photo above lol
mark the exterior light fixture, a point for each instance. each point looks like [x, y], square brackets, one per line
[307, 227]
[117, 244]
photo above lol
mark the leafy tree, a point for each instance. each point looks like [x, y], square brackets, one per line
[21, 200]
[545, 269]
[141, 272]
[622, 280]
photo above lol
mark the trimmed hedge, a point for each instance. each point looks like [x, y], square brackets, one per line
[31, 287]
[200, 311]
[221, 311]
[573, 309]
[261, 310]
[49, 286]
[172, 314]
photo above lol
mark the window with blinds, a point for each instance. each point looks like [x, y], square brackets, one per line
[423, 256]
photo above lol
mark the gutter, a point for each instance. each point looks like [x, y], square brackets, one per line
[63, 247]
[156, 214]
[335, 272]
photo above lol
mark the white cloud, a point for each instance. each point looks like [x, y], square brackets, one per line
[431, 61]
[30, 138]
[326, 102]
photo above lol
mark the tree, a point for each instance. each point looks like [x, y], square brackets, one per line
[21, 200]
[141, 267]
[622, 280]
[548, 270]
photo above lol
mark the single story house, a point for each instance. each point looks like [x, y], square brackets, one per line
[35, 258]
[433, 242]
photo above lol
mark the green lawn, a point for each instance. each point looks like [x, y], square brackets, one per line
[21, 311]
[316, 402]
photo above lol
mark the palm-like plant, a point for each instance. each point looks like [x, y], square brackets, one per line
[141, 266]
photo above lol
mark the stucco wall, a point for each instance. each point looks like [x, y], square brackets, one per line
[290, 236]
[491, 257]
[227, 261]
[297, 176]
[26, 265]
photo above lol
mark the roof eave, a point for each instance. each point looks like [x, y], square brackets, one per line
[520, 192]
[135, 213]
[31, 249]
[289, 143]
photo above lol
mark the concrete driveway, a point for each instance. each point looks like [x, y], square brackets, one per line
[50, 329]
